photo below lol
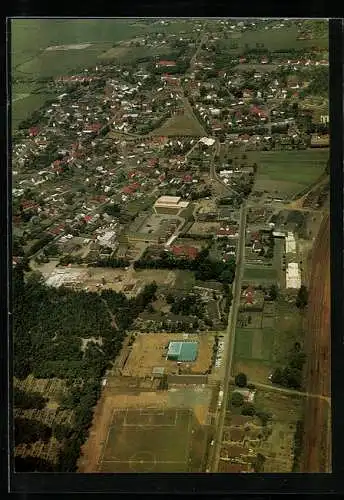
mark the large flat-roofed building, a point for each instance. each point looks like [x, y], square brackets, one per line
[182, 351]
[290, 243]
[169, 204]
[293, 275]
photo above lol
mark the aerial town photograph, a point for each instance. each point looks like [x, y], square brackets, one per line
[170, 245]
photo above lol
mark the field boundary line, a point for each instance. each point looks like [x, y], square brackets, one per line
[189, 439]
[143, 462]
[101, 458]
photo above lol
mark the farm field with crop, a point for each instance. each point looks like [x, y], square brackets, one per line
[273, 40]
[259, 274]
[287, 173]
[266, 344]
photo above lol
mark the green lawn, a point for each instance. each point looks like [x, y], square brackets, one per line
[180, 125]
[259, 274]
[288, 172]
[184, 280]
[252, 343]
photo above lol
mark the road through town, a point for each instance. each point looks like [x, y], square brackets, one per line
[230, 339]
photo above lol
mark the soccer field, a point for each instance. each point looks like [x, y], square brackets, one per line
[153, 440]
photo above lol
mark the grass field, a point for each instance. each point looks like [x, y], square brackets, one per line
[256, 274]
[288, 172]
[184, 280]
[272, 39]
[153, 440]
[180, 125]
[259, 350]
[254, 343]
[126, 54]
[278, 447]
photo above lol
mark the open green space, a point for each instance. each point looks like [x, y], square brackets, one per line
[184, 280]
[60, 62]
[254, 343]
[259, 274]
[148, 440]
[139, 205]
[278, 39]
[259, 350]
[288, 172]
[184, 124]
[130, 54]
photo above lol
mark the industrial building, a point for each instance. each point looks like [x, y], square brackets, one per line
[182, 351]
[290, 243]
[169, 204]
[293, 276]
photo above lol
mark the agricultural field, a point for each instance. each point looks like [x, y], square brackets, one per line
[51, 415]
[259, 274]
[254, 343]
[286, 173]
[264, 343]
[278, 448]
[153, 440]
[128, 54]
[179, 125]
[277, 39]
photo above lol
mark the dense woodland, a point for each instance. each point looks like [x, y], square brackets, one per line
[48, 325]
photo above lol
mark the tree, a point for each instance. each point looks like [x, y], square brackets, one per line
[237, 399]
[169, 299]
[241, 380]
[273, 293]
[249, 410]
[264, 417]
[302, 297]
[258, 463]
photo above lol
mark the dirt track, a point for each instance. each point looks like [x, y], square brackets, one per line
[317, 436]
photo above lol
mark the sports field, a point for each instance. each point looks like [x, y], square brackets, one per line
[153, 440]
[288, 172]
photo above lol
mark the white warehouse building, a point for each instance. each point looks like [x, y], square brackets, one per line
[290, 243]
[293, 276]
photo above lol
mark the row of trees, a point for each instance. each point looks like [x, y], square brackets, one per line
[291, 375]
[205, 269]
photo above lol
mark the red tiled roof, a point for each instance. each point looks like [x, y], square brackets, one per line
[166, 63]
[187, 178]
[33, 131]
[153, 161]
[88, 218]
[227, 231]
[94, 127]
[186, 251]
[257, 111]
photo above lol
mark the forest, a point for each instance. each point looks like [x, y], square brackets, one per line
[48, 327]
